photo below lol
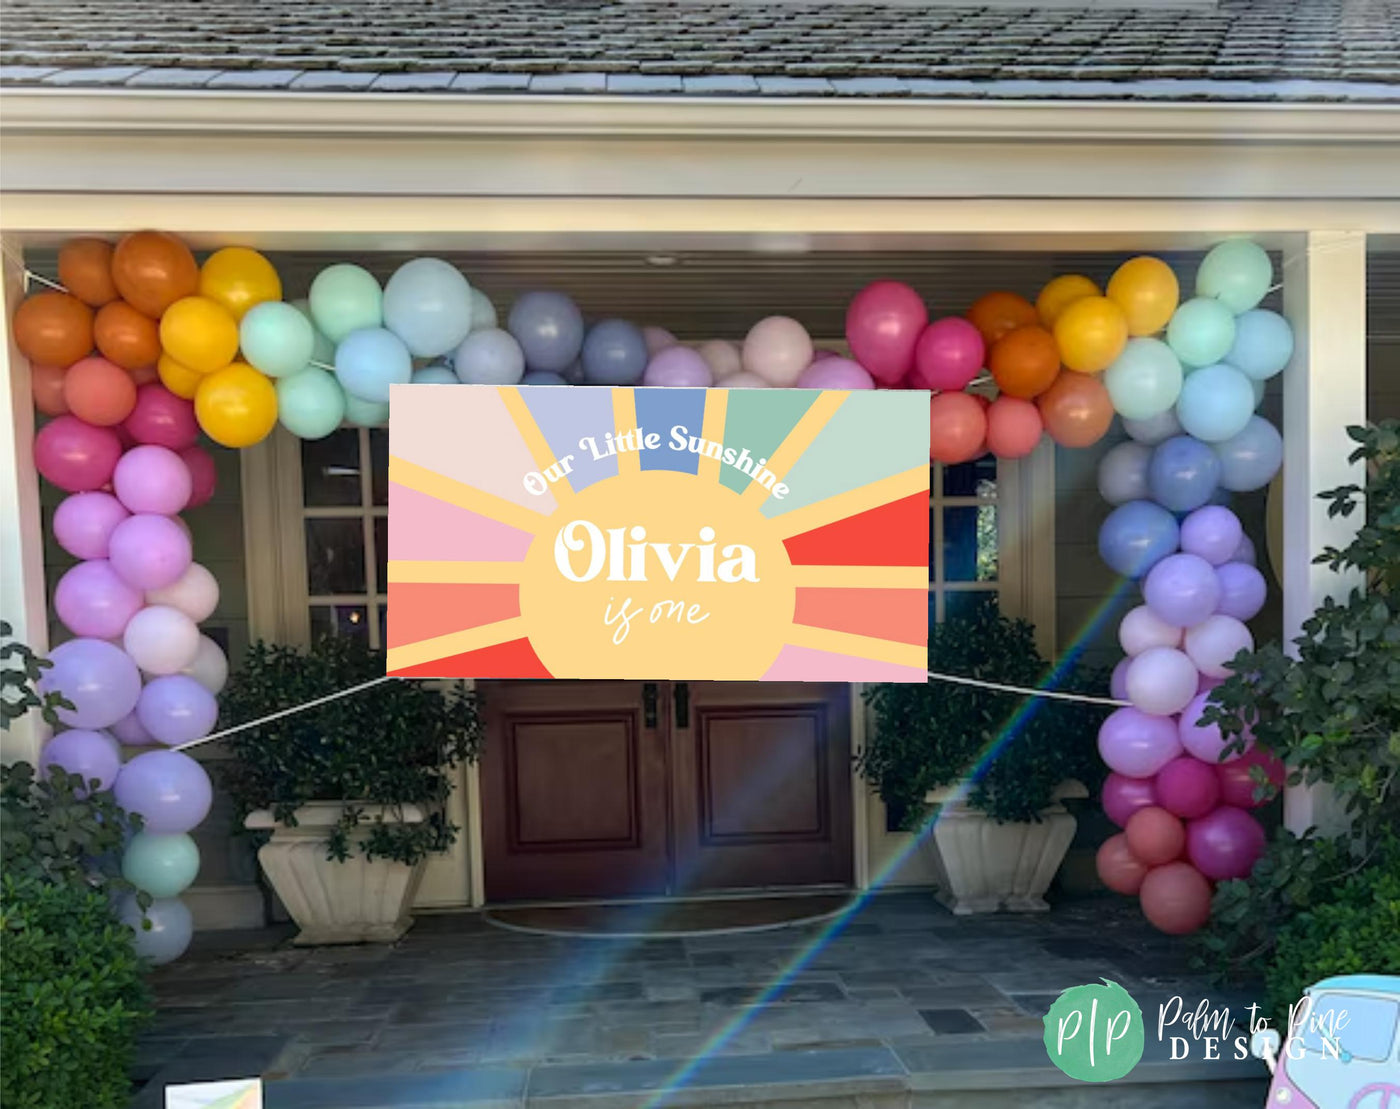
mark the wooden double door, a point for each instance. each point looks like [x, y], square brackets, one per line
[625, 789]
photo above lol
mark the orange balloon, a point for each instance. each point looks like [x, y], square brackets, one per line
[1155, 836]
[957, 427]
[1059, 293]
[1077, 410]
[177, 377]
[1148, 292]
[998, 313]
[1091, 333]
[144, 375]
[1025, 362]
[125, 336]
[99, 392]
[1119, 869]
[85, 269]
[152, 270]
[53, 328]
[1175, 898]
[46, 383]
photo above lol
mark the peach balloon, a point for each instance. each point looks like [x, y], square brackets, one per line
[1025, 362]
[722, 357]
[1060, 292]
[1175, 898]
[152, 270]
[1118, 868]
[1014, 427]
[1155, 836]
[1076, 409]
[144, 375]
[53, 328]
[125, 336]
[46, 383]
[778, 349]
[957, 428]
[98, 392]
[1000, 313]
[85, 270]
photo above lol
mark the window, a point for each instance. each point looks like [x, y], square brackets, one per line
[964, 564]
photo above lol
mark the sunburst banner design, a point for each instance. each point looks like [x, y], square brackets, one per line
[690, 534]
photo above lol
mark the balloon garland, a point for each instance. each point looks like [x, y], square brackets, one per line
[139, 348]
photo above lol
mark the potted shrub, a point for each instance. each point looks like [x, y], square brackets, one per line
[991, 768]
[353, 792]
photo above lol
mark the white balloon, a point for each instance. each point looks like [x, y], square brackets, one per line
[161, 640]
[722, 357]
[1213, 642]
[210, 666]
[1142, 629]
[1161, 681]
[171, 927]
[195, 593]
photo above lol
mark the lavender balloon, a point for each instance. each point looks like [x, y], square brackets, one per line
[1161, 681]
[1245, 551]
[1118, 680]
[92, 600]
[169, 789]
[835, 373]
[152, 479]
[1154, 429]
[1183, 473]
[1123, 473]
[1142, 629]
[99, 679]
[83, 523]
[1206, 741]
[88, 754]
[176, 709]
[171, 927]
[1137, 744]
[1243, 590]
[678, 367]
[543, 377]
[1225, 844]
[131, 731]
[1182, 589]
[1213, 533]
[150, 552]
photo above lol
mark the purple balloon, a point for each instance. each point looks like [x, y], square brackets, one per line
[153, 479]
[169, 789]
[83, 523]
[1118, 680]
[1137, 745]
[1188, 788]
[1206, 741]
[1182, 589]
[131, 731]
[92, 600]
[1123, 796]
[1225, 844]
[176, 709]
[99, 679]
[1245, 551]
[1213, 533]
[543, 377]
[835, 373]
[88, 754]
[1243, 590]
[679, 367]
[150, 552]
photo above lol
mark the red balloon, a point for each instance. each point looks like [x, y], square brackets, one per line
[1175, 898]
[162, 418]
[1014, 427]
[883, 325]
[957, 428]
[202, 474]
[1237, 783]
[1155, 836]
[1188, 787]
[1123, 796]
[1119, 869]
[1225, 843]
[76, 456]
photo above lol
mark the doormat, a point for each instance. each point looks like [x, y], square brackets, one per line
[670, 918]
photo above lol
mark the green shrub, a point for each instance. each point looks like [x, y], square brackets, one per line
[71, 997]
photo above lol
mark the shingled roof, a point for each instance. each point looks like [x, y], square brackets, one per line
[1237, 50]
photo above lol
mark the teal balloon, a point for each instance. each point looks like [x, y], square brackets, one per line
[365, 413]
[310, 404]
[323, 351]
[437, 374]
[428, 305]
[276, 338]
[1201, 332]
[1144, 380]
[1263, 344]
[161, 865]
[345, 298]
[1237, 272]
[1215, 403]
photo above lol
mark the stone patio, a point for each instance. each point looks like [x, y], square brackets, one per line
[906, 1005]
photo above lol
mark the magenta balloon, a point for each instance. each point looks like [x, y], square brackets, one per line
[1225, 843]
[83, 523]
[1206, 741]
[152, 479]
[678, 367]
[1243, 590]
[150, 551]
[1182, 589]
[83, 752]
[1118, 680]
[1212, 532]
[949, 354]
[169, 789]
[1123, 796]
[883, 325]
[99, 679]
[162, 419]
[92, 600]
[1161, 681]
[131, 731]
[1138, 745]
[1187, 787]
[1237, 783]
[176, 709]
[835, 373]
[201, 467]
[76, 456]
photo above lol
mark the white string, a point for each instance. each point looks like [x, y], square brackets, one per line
[1083, 698]
[286, 712]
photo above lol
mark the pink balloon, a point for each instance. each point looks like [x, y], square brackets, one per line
[83, 523]
[1187, 787]
[657, 339]
[92, 600]
[1206, 741]
[678, 367]
[88, 754]
[1225, 844]
[1014, 426]
[162, 418]
[195, 593]
[152, 479]
[161, 640]
[948, 355]
[957, 427]
[1237, 782]
[1118, 680]
[778, 349]
[1161, 681]
[1216, 640]
[201, 467]
[883, 325]
[1142, 629]
[131, 731]
[150, 552]
[1123, 796]
[1136, 744]
[1243, 590]
[835, 373]
[76, 456]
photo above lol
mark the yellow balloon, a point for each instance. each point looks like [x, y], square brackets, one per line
[200, 334]
[236, 406]
[239, 278]
[1060, 293]
[1091, 333]
[1147, 291]
[180, 380]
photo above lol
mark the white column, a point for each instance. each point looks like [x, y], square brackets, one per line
[1324, 392]
[21, 538]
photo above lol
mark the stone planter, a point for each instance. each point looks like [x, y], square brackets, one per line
[983, 866]
[356, 901]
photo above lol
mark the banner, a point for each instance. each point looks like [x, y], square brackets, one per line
[690, 534]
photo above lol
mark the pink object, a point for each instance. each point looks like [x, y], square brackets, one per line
[1142, 628]
[88, 754]
[957, 428]
[948, 355]
[1161, 681]
[150, 552]
[83, 523]
[835, 373]
[1123, 796]
[153, 479]
[161, 640]
[201, 467]
[1136, 744]
[678, 368]
[92, 600]
[722, 357]
[195, 593]
[883, 325]
[1206, 741]
[1216, 640]
[1237, 782]
[1243, 590]
[820, 354]
[777, 349]
[161, 418]
[1187, 787]
[76, 456]
[1014, 426]
[1225, 844]
[657, 339]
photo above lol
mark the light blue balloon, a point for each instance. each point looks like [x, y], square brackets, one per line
[1258, 387]
[310, 404]
[345, 298]
[368, 362]
[161, 865]
[483, 311]
[170, 927]
[542, 377]
[1249, 460]
[1144, 380]
[1216, 402]
[428, 305]
[1263, 344]
[276, 338]
[1155, 429]
[614, 353]
[1123, 473]
[439, 373]
[1183, 473]
[549, 328]
[489, 357]
[1201, 332]
[1136, 536]
[322, 350]
[1237, 273]
[365, 413]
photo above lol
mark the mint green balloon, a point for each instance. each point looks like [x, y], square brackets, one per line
[1237, 272]
[1201, 332]
[345, 298]
[276, 338]
[161, 865]
[311, 403]
[323, 351]
[1144, 380]
[365, 413]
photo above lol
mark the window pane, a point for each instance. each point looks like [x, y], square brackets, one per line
[338, 620]
[381, 553]
[335, 556]
[970, 543]
[971, 479]
[330, 469]
[959, 604]
[379, 464]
